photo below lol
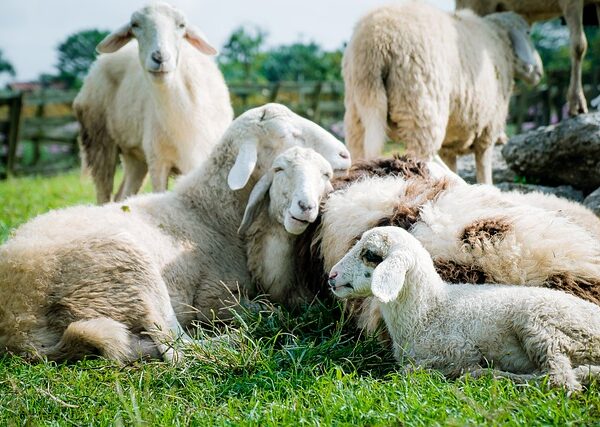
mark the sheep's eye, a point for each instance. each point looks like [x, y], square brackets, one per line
[182, 25]
[371, 257]
[277, 169]
[135, 25]
[327, 175]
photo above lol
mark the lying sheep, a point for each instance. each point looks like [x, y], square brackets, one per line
[160, 102]
[109, 279]
[475, 234]
[539, 10]
[283, 203]
[435, 81]
[521, 332]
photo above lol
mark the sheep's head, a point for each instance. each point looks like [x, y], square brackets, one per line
[266, 131]
[376, 265]
[528, 64]
[159, 29]
[296, 183]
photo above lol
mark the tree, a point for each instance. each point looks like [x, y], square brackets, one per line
[5, 65]
[240, 57]
[302, 62]
[76, 54]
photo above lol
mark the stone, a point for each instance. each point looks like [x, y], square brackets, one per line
[564, 191]
[592, 201]
[565, 153]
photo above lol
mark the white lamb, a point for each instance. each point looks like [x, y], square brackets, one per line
[538, 10]
[87, 280]
[434, 80]
[160, 102]
[283, 203]
[520, 332]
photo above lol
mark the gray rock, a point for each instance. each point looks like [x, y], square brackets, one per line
[564, 191]
[592, 201]
[566, 153]
[501, 171]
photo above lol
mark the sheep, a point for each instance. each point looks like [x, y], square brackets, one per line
[538, 10]
[160, 102]
[521, 332]
[475, 234]
[576, 212]
[435, 81]
[294, 187]
[143, 271]
[494, 239]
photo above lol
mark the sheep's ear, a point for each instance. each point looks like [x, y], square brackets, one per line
[257, 196]
[196, 39]
[388, 278]
[115, 40]
[522, 46]
[244, 166]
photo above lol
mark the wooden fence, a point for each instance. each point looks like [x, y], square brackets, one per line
[38, 132]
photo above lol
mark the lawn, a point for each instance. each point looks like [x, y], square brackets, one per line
[279, 368]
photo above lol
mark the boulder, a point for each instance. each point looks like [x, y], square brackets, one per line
[565, 153]
[564, 191]
[592, 201]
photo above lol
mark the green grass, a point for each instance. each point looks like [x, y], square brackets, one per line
[279, 368]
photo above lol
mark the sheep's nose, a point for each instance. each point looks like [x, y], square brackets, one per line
[331, 280]
[305, 206]
[160, 57]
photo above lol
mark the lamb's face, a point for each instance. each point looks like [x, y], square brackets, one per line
[300, 181]
[352, 275]
[376, 265]
[296, 183]
[160, 30]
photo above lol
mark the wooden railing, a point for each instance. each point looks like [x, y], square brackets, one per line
[38, 131]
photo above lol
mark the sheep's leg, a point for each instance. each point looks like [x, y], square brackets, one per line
[135, 171]
[159, 174]
[573, 13]
[483, 162]
[496, 373]
[355, 132]
[585, 373]
[450, 160]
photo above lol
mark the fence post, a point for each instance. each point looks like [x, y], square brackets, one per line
[15, 108]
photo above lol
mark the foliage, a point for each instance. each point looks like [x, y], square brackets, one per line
[301, 62]
[277, 368]
[76, 54]
[245, 58]
[5, 65]
[240, 56]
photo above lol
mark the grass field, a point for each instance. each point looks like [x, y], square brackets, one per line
[279, 369]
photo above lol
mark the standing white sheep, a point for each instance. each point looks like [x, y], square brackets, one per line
[98, 279]
[538, 10]
[434, 80]
[520, 332]
[160, 102]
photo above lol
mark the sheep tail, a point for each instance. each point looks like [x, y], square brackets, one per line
[100, 336]
[371, 102]
[99, 152]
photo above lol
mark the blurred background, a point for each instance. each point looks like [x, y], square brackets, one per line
[270, 50]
